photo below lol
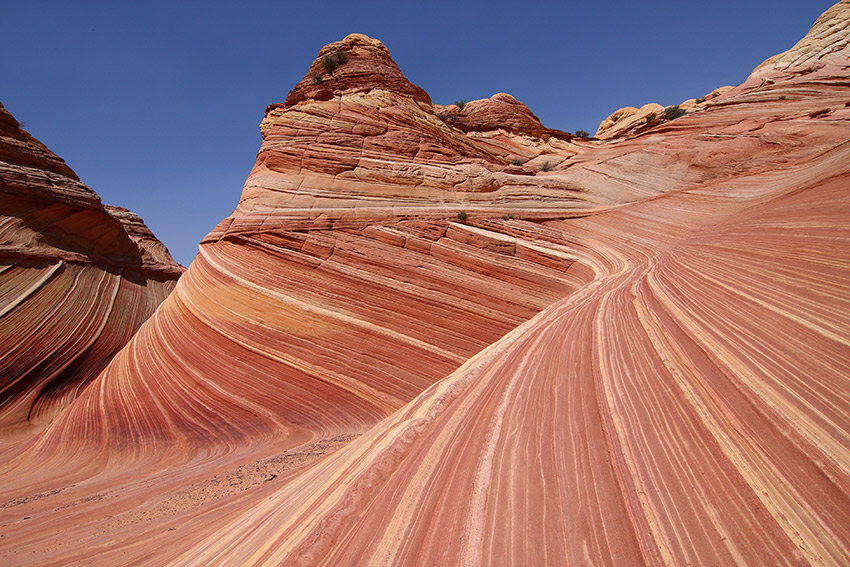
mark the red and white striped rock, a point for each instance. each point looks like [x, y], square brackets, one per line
[77, 279]
[351, 375]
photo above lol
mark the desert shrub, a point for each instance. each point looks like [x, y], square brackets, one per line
[701, 100]
[329, 62]
[674, 111]
[460, 104]
[782, 97]
[334, 60]
[516, 161]
[453, 118]
[504, 217]
[649, 118]
[462, 216]
[545, 166]
[317, 78]
[583, 133]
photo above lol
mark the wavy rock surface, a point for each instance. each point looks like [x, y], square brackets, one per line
[310, 394]
[76, 281]
[827, 42]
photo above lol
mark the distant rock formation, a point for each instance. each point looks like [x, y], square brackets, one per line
[426, 340]
[630, 120]
[825, 44]
[77, 279]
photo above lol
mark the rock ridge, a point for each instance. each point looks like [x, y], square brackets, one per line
[52, 214]
[77, 279]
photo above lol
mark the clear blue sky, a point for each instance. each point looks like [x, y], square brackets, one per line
[156, 104]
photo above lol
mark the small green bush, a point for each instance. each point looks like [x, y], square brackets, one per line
[782, 97]
[460, 104]
[334, 60]
[516, 161]
[317, 78]
[545, 166]
[462, 216]
[700, 100]
[649, 118]
[583, 133]
[672, 112]
[329, 62]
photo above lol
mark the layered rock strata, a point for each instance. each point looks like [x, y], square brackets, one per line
[77, 279]
[352, 371]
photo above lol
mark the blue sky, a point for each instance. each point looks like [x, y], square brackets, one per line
[156, 105]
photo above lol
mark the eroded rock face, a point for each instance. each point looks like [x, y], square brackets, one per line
[77, 281]
[357, 63]
[826, 43]
[636, 355]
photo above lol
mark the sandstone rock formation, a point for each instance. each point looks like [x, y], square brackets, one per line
[77, 279]
[630, 120]
[826, 43]
[403, 348]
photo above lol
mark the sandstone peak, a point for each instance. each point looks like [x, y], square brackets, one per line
[355, 134]
[356, 63]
